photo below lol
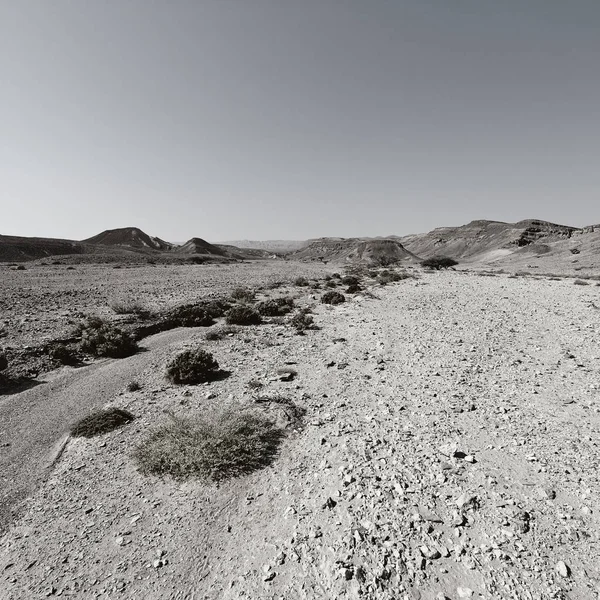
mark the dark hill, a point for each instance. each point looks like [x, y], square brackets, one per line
[128, 236]
[16, 249]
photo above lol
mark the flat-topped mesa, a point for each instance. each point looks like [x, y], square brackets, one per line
[128, 236]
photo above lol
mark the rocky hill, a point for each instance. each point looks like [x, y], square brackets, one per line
[482, 240]
[199, 246]
[355, 250]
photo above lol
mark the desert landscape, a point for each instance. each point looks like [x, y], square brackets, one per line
[334, 418]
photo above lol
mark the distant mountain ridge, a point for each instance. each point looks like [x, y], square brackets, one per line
[477, 241]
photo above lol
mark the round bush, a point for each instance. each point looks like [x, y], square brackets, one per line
[332, 298]
[242, 315]
[193, 366]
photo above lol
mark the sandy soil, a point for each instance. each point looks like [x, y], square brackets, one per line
[449, 450]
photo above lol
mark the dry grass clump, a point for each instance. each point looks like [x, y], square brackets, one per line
[275, 307]
[242, 314]
[242, 295]
[128, 306]
[101, 422]
[228, 444]
[332, 298]
[193, 366]
[100, 338]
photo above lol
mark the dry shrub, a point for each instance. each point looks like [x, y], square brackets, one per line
[128, 306]
[276, 307]
[242, 295]
[332, 298]
[581, 282]
[302, 320]
[100, 338]
[218, 333]
[101, 422]
[189, 315]
[242, 314]
[193, 366]
[228, 444]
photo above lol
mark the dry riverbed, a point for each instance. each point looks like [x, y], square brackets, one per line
[450, 449]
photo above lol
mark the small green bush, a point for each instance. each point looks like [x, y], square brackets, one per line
[228, 444]
[101, 422]
[353, 289]
[193, 366]
[439, 262]
[242, 314]
[332, 298]
[301, 282]
[242, 295]
[100, 338]
[276, 307]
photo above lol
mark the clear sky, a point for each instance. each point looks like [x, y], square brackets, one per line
[291, 119]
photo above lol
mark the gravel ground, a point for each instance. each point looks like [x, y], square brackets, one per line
[449, 450]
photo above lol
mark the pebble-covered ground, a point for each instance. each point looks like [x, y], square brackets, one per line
[450, 449]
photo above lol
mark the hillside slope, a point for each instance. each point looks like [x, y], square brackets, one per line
[485, 239]
[129, 236]
[355, 250]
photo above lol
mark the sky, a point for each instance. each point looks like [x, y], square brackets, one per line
[295, 119]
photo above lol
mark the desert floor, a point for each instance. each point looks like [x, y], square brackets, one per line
[450, 449]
